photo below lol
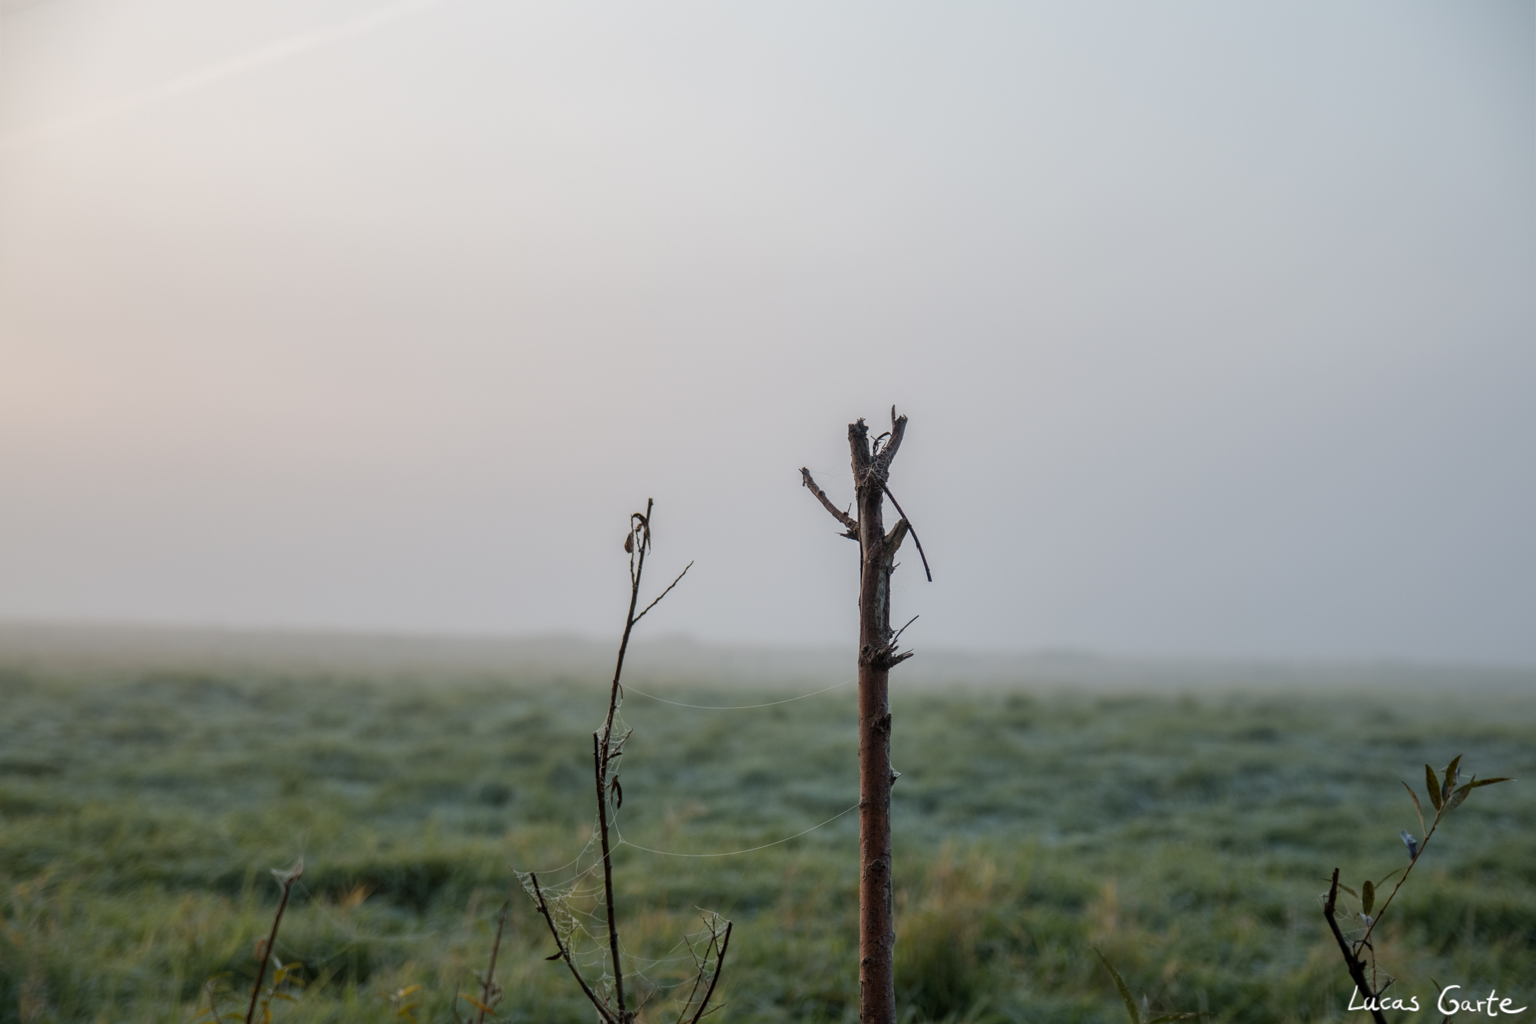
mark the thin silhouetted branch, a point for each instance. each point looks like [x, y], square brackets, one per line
[719, 966]
[636, 570]
[848, 521]
[565, 954]
[1354, 964]
[606, 751]
[598, 767]
[1371, 926]
[664, 593]
[286, 879]
[488, 984]
[911, 528]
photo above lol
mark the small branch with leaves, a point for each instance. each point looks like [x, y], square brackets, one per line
[1446, 792]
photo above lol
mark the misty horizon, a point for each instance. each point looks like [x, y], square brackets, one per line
[1216, 326]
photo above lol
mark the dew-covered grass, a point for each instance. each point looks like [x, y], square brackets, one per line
[1187, 836]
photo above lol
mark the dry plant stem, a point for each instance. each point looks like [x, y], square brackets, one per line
[602, 830]
[490, 972]
[602, 749]
[605, 750]
[698, 977]
[638, 544]
[565, 954]
[277, 919]
[1354, 964]
[636, 570]
[719, 966]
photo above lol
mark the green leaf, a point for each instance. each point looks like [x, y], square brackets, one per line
[1349, 890]
[1450, 777]
[1367, 897]
[1455, 799]
[1165, 1018]
[1434, 786]
[1488, 782]
[1417, 808]
[1125, 993]
[1388, 877]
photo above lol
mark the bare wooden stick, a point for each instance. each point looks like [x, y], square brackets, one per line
[871, 463]
[565, 954]
[286, 878]
[1355, 966]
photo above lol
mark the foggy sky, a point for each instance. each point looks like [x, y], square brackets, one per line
[1216, 324]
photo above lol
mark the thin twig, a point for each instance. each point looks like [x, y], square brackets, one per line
[664, 593]
[602, 1011]
[1388, 902]
[699, 967]
[490, 972]
[910, 528]
[292, 875]
[1355, 966]
[637, 569]
[719, 966]
[826, 503]
[598, 766]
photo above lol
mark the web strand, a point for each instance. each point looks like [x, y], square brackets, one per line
[733, 853]
[736, 707]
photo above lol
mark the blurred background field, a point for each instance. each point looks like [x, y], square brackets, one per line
[1181, 818]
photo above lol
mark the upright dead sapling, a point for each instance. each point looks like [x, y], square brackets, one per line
[877, 656]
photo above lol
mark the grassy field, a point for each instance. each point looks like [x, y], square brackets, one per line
[1187, 836]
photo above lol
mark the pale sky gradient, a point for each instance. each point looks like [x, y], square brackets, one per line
[1216, 322]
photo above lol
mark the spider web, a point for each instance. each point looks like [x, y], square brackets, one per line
[574, 895]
